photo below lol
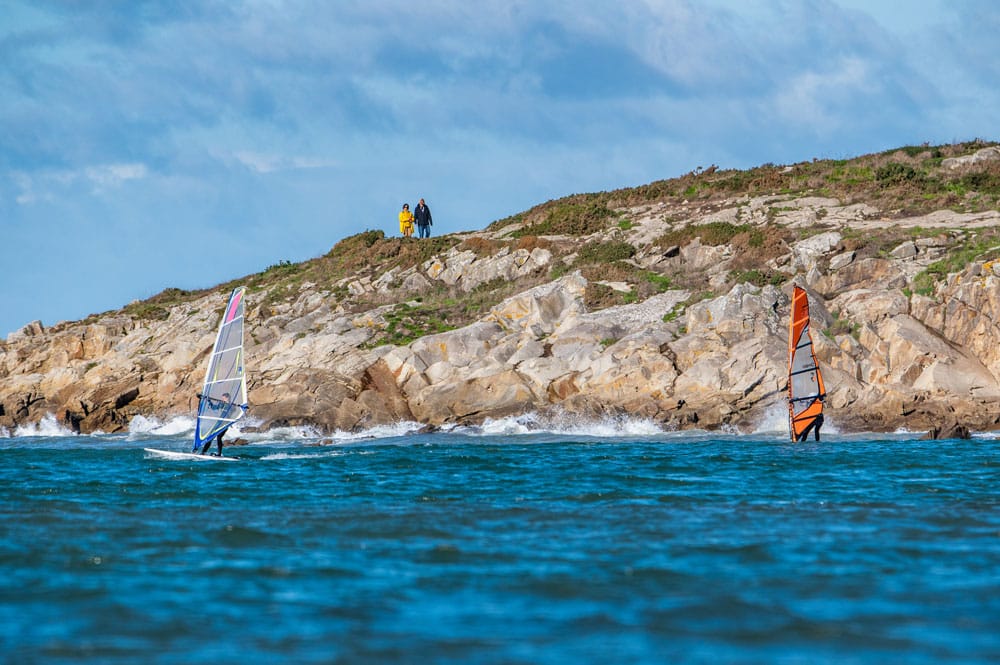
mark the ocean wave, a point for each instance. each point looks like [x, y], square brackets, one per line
[142, 427]
[391, 431]
[151, 425]
[563, 424]
[275, 435]
[48, 426]
[293, 456]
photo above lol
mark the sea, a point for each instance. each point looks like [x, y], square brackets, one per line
[520, 541]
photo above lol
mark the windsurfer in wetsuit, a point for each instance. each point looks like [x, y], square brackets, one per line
[813, 426]
[218, 405]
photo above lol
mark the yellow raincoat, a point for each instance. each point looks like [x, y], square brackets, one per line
[406, 223]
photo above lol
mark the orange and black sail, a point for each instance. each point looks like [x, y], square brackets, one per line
[805, 382]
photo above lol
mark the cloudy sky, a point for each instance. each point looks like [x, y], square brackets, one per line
[151, 144]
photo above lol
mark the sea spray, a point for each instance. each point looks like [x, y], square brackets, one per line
[775, 421]
[565, 424]
[285, 434]
[402, 428]
[152, 426]
[48, 426]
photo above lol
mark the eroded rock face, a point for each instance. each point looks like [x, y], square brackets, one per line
[891, 358]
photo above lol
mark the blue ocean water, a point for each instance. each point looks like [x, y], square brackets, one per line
[505, 548]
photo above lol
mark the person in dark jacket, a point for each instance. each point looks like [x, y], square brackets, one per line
[422, 216]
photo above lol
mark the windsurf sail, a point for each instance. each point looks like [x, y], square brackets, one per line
[805, 382]
[223, 398]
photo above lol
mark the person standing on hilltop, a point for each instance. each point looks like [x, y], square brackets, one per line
[406, 221]
[423, 216]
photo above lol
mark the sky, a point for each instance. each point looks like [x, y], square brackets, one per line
[155, 144]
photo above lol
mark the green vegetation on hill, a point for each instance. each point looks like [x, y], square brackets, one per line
[906, 181]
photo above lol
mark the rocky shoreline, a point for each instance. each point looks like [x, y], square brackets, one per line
[903, 340]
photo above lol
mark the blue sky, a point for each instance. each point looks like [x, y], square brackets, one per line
[148, 145]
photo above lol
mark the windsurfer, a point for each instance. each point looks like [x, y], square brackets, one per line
[812, 427]
[218, 405]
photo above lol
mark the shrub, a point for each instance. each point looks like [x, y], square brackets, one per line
[570, 219]
[986, 181]
[895, 173]
[757, 277]
[482, 247]
[712, 233]
[604, 252]
[598, 296]
[281, 268]
[147, 312]
[532, 242]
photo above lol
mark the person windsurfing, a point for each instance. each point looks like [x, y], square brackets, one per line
[223, 405]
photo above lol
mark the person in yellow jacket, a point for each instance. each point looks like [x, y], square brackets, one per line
[406, 221]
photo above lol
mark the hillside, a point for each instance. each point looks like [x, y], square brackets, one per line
[664, 301]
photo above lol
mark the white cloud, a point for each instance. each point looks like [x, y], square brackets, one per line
[111, 175]
[50, 185]
[270, 163]
[815, 99]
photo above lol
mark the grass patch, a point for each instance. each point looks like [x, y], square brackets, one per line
[407, 323]
[604, 252]
[712, 233]
[570, 218]
[157, 308]
[600, 296]
[841, 326]
[147, 311]
[982, 247]
[482, 247]
[674, 312]
[660, 282]
[924, 283]
[558, 269]
[757, 277]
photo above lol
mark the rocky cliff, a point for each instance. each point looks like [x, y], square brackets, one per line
[667, 301]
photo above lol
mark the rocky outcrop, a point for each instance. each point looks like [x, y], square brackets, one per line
[897, 352]
[990, 154]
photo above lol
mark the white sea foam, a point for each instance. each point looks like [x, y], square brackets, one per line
[4, 433]
[378, 432]
[775, 421]
[47, 426]
[564, 424]
[152, 425]
[278, 434]
[284, 456]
